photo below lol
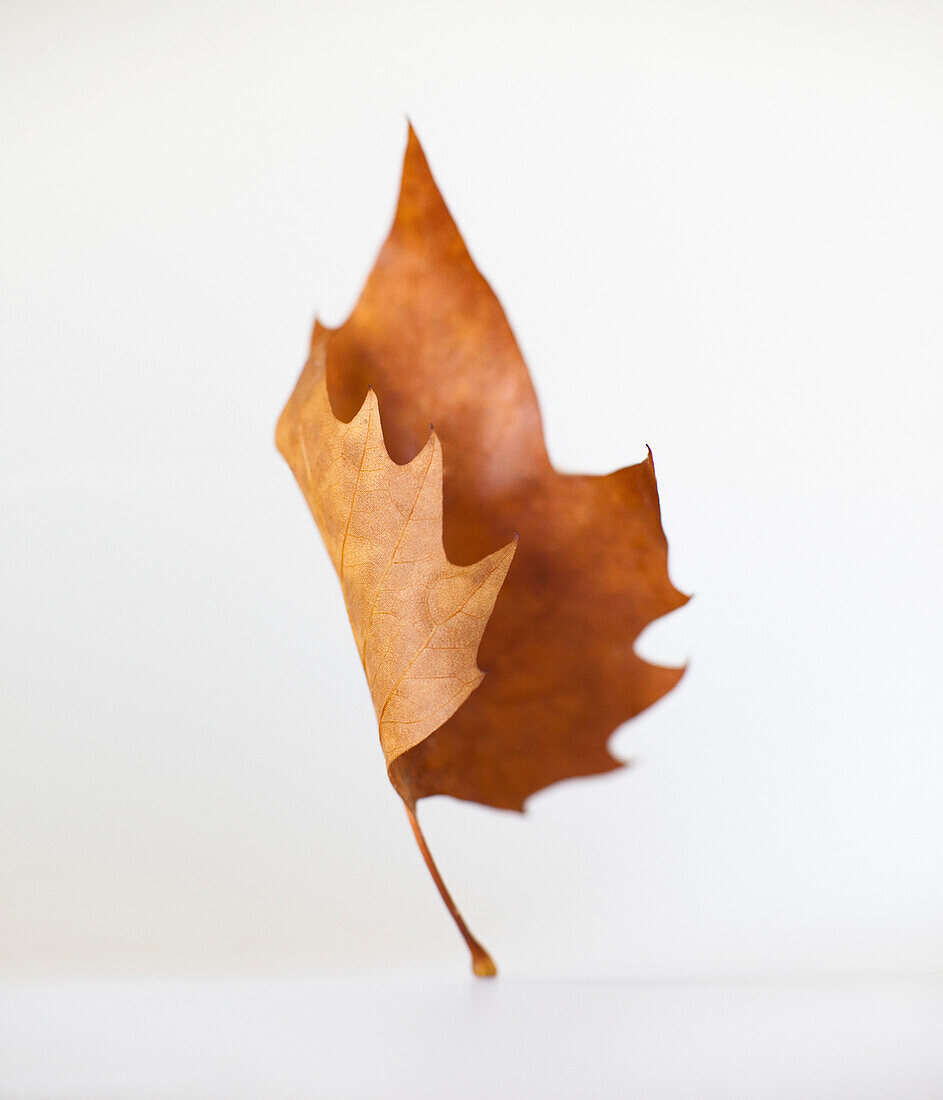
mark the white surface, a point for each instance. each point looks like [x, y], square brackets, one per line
[423, 1040]
[716, 228]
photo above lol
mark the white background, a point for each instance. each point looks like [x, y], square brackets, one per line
[717, 229]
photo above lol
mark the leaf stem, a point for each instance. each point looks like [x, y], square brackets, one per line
[482, 963]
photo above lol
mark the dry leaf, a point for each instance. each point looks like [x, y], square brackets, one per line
[428, 343]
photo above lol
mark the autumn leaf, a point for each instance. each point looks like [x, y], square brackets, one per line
[422, 528]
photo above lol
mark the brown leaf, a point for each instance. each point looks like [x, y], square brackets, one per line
[427, 343]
